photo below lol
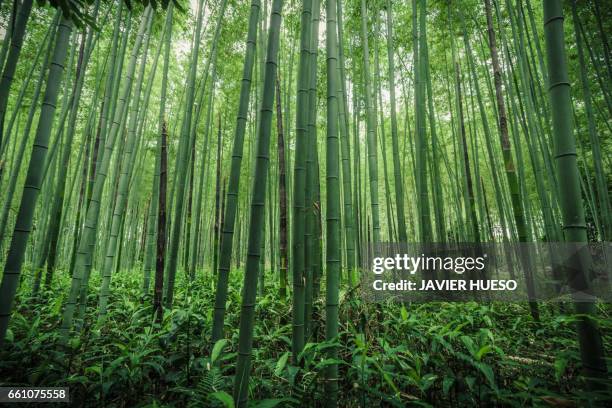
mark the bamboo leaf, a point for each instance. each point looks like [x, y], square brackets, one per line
[224, 397]
[217, 349]
[281, 363]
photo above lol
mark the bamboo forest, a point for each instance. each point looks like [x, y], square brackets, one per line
[198, 199]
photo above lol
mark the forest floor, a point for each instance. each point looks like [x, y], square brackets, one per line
[433, 354]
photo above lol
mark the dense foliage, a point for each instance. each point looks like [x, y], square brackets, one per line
[188, 191]
[438, 354]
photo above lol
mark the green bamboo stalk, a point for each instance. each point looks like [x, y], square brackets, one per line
[347, 195]
[282, 195]
[438, 202]
[371, 128]
[272, 245]
[217, 216]
[531, 131]
[397, 172]
[116, 85]
[161, 216]
[311, 264]
[23, 226]
[589, 337]
[382, 137]
[183, 161]
[332, 178]
[256, 221]
[471, 206]
[6, 40]
[357, 177]
[299, 182]
[231, 205]
[475, 156]
[19, 154]
[509, 166]
[106, 116]
[87, 242]
[151, 223]
[600, 179]
[203, 172]
[151, 239]
[57, 208]
[518, 194]
[17, 34]
[49, 35]
[420, 63]
[127, 159]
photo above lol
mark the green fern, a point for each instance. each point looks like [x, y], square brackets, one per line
[211, 382]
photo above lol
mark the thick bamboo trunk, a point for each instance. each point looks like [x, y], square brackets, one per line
[23, 225]
[589, 337]
[231, 206]
[257, 219]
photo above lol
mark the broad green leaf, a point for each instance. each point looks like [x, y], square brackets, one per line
[469, 344]
[217, 349]
[483, 351]
[224, 397]
[280, 365]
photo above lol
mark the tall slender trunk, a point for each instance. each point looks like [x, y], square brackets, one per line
[347, 188]
[371, 127]
[397, 172]
[256, 221]
[333, 253]
[420, 123]
[382, 137]
[161, 175]
[182, 160]
[57, 208]
[86, 250]
[21, 20]
[600, 178]
[217, 233]
[6, 40]
[84, 258]
[19, 154]
[311, 247]
[572, 211]
[282, 192]
[189, 272]
[227, 229]
[471, 205]
[299, 182]
[151, 223]
[203, 173]
[121, 198]
[161, 225]
[23, 225]
[19, 100]
[436, 149]
[510, 169]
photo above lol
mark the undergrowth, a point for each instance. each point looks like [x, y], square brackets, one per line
[391, 354]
